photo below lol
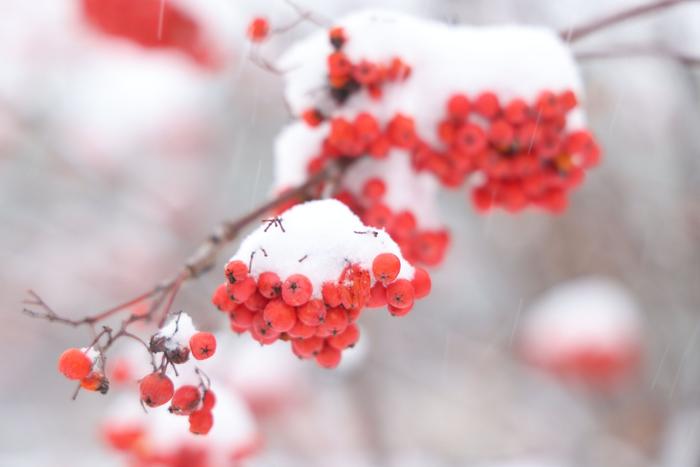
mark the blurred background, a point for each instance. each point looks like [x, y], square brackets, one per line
[117, 159]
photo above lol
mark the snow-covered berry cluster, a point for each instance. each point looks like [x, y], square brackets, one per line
[306, 278]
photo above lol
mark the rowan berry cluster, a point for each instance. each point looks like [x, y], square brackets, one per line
[319, 322]
[77, 364]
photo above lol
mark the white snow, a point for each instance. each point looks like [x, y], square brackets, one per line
[511, 61]
[295, 146]
[585, 313]
[323, 232]
[178, 331]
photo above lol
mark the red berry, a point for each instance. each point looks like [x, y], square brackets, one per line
[312, 117]
[421, 283]
[209, 400]
[241, 291]
[377, 296]
[279, 316]
[366, 73]
[156, 389]
[548, 105]
[312, 313]
[74, 364]
[237, 328]
[339, 65]
[307, 348]
[270, 285]
[262, 332]
[336, 321]
[458, 106]
[395, 311]
[95, 381]
[470, 139]
[258, 29]
[482, 199]
[337, 37]
[296, 290]
[185, 400]
[203, 345]
[568, 100]
[501, 134]
[398, 70]
[222, 300]
[374, 189]
[400, 294]
[366, 127]
[201, 422]
[301, 331]
[242, 317]
[331, 294]
[516, 112]
[386, 267]
[402, 131]
[345, 339]
[256, 302]
[328, 357]
[236, 271]
[377, 216]
[487, 105]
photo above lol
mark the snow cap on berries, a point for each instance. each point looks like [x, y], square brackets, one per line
[318, 240]
[177, 331]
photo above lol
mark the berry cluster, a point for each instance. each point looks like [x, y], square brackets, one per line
[75, 364]
[423, 246]
[272, 309]
[524, 150]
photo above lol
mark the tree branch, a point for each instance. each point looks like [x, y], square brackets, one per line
[633, 50]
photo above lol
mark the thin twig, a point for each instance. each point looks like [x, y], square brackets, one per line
[633, 50]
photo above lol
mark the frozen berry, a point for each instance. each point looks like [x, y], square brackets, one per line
[270, 285]
[236, 271]
[201, 422]
[156, 389]
[312, 313]
[400, 294]
[345, 339]
[185, 400]
[203, 345]
[279, 316]
[74, 364]
[421, 283]
[296, 290]
[386, 267]
[328, 357]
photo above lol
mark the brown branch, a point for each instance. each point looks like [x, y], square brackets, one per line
[577, 32]
[631, 51]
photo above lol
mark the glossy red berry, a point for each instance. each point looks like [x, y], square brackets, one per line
[421, 283]
[339, 65]
[400, 294]
[201, 421]
[386, 267]
[312, 117]
[209, 400]
[395, 311]
[270, 285]
[256, 302]
[262, 332]
[458, 106]
[296, 290]
[307, 348]
[470, 139]
[241, 291]
[337, 37]
[345, 339]
[221, 299]
[301, 331]
[402, 131]
[258, 29]
[74, 364]
[487, 104]
[95, 381]
[156, 389]
[185, 400]
[203, 345]
[377, 296]
[328, 357]
[331, 294]
[374, 189]
[242, 317]
[516, 112]
[312, 313]
[236, 271]
[279, 316]
[336, 321]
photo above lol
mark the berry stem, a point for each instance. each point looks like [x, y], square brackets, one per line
[577, 32]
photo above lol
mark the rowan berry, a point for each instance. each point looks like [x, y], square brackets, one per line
[156, 389]
[396, 311]
[312, 313]
[548, 105]
[501, 134]
[201, 421]
[208, 400]
[377, 296]
[258, 29]
[366, 73]
[398, 70]
[242, 317]
[402, 131]
[328, 357]
[237, 328]
[568, 100]
[74, 364]
[331, 294]
[345, 339]
[279, 316]
[256, 302]
[262, 332]
[374, 189]
[482, 199]
[366, 127]
[516, 112]
[378, 215]
[270, 285]
[487, 105]
[296, 290]
[470, 139]
[203, 345]
[336, 321]
[241, 291]
[339, 65]
[312, 117]
[337, 37]
[421, 283]
[386, 267]
[185, 400]
[400, 293]
[95, 381]
[236, 271]
[221, 299]
[301, 331]
[458, 106]
[307, 348]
